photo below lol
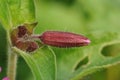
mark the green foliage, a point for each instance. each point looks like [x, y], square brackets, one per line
[3, 50]
[92, 18]
[98, 20]
[16, 12]
[41, 63]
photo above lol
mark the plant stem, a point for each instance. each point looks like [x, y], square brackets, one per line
[12, 64]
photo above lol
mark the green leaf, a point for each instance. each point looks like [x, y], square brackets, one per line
[42, 63]
[22, 11]
[16, 12]
[5, 17]
[67, 59]
[3, 51]
[96, 62]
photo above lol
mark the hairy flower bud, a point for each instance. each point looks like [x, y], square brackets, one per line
[23, 38]
[63, 39]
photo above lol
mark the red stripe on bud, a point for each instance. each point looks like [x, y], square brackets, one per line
[63, 39]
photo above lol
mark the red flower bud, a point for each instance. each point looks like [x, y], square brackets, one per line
[63, 39]
[22, 37]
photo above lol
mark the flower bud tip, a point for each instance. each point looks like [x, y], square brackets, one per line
[87, 41]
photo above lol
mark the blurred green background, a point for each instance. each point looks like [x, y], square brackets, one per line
[79, 16]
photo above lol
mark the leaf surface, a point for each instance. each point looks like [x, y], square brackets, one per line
[42, 63]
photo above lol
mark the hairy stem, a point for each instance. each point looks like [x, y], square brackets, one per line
[12, 65]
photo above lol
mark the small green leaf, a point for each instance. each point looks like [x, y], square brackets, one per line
[42, 63]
